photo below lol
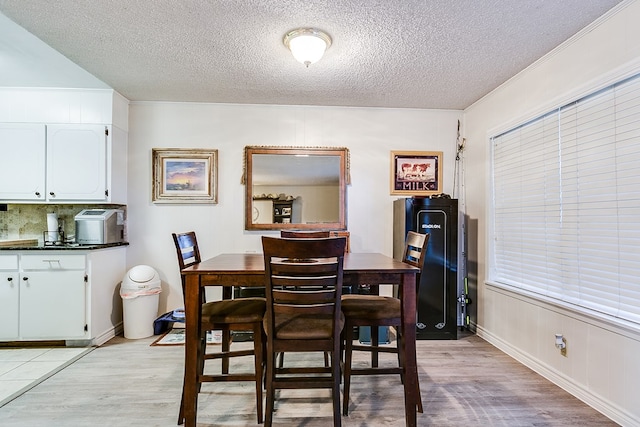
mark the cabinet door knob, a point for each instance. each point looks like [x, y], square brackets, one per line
[25, 278]
[51, 193]
[38, 193]
[10, 279]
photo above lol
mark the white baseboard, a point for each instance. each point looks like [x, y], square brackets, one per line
[108, 334]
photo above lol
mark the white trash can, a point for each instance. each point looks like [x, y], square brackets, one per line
[140, 292]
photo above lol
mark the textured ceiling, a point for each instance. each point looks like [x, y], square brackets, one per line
[443, 54]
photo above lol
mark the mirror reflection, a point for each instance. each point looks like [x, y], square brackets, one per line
[299, 188]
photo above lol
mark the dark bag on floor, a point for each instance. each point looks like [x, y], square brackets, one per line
[165, 322]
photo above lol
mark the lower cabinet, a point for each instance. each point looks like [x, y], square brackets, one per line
[54, 295]
[52, 305]
[10, 296]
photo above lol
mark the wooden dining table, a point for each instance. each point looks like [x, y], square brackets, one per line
[229, 270]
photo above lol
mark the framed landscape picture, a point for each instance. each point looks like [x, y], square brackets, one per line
[416, 173]
[182, 175]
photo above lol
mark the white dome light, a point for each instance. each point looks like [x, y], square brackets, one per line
[307, 44]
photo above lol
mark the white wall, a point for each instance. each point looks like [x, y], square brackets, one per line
[601, 365]
[369, 133]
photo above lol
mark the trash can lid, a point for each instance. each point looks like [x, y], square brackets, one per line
[142, 274]
[140, 280]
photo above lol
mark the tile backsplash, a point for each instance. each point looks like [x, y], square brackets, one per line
[30, 221]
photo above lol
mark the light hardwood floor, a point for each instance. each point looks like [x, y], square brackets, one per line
[466, 382]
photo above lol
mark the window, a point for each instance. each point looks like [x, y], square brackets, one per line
[566, 203]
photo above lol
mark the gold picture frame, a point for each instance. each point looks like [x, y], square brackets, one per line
[416, 173]
[185, 175]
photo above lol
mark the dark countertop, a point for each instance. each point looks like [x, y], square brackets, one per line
[65, 247]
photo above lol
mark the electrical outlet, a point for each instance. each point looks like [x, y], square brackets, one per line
[561, 344]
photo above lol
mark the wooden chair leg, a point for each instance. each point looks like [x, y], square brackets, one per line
[348, 351]
[258, 346]
[181, 412]
[270, 391]
[375, 340]
[202, 352]
[227, 293]
[420, 409]
[400, 351]
[335, 392]
[226, 345]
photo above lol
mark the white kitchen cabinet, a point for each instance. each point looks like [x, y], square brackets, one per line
[22, 163]
[61, 295]
[77, 163]
[62, 163]
[9, 295]
[52, 296]
[52, 305]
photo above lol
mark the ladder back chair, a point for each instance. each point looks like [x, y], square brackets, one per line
[244, 314]
[310, 234]
[303, 280]
[375, 311]
[305, 234]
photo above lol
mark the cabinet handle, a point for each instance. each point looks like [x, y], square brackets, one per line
[25, 278]
[10, 279]
[51, 193]
[37, 193]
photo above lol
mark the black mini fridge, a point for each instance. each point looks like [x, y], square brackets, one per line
[438, 292]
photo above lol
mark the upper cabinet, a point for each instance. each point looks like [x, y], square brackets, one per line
[77, 163]
[63, 146]
[22, 163]
[60, 163]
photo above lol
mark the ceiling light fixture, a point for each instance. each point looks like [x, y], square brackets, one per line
[307, 44]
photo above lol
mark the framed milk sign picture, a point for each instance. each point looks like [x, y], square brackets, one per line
[416, 173]
[185, 175]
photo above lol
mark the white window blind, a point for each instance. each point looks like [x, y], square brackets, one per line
[566, 189]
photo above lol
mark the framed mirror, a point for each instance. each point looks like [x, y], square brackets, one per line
[295, 188]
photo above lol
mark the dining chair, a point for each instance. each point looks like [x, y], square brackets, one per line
[303, 280]
[375, 311]
[310, 234]
[305, 234]
[245, 314]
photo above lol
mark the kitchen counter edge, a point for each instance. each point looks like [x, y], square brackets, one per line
[62, 247]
